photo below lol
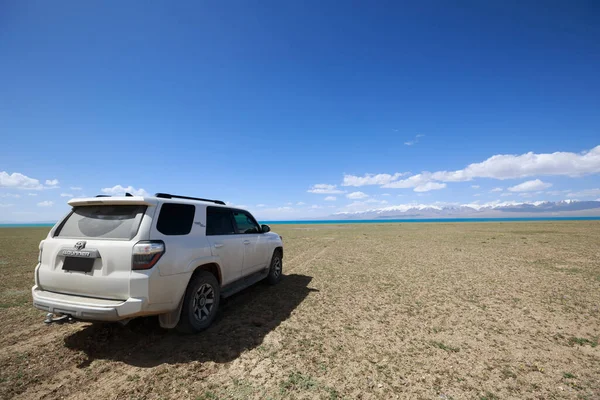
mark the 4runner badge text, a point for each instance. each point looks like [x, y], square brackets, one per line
[76, 253]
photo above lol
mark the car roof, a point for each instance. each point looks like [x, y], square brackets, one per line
[139, 200]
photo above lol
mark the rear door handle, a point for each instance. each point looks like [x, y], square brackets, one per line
[246, 242]
[218, 245]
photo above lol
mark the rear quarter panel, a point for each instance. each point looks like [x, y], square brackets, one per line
[183, 253]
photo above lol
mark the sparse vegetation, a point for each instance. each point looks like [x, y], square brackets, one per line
[298, 381]
[583, 341]
[507, 373]
[446, 347]
[375, 311]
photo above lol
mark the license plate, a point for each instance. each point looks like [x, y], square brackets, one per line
[78, 264]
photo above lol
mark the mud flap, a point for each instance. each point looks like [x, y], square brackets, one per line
[171, 319]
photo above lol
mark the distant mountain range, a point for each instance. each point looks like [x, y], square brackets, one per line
[566, 208]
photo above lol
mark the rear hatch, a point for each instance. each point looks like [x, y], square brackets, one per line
[89, 253]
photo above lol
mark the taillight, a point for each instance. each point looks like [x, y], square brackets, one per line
[147, 253]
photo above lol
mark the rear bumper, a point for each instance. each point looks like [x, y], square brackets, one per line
[87, 308]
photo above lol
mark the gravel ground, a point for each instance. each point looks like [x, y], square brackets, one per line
[432, 311]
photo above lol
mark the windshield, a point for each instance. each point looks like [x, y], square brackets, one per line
[106, 222]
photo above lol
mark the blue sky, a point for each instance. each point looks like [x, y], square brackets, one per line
[256, 103]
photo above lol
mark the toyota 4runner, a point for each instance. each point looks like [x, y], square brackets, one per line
[116, 258]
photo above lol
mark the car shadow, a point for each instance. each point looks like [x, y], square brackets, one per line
[242, 323]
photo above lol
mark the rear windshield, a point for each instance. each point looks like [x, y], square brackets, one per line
[106, 222]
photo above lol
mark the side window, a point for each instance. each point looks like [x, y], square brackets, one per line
[175, 219]
[245, 222]
[218, 221]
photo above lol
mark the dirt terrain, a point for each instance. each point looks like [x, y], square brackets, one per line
[432, 311]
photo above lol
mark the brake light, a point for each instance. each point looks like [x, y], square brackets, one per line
[147, 253]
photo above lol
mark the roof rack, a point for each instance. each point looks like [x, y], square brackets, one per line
[127, 194]
[174, 196]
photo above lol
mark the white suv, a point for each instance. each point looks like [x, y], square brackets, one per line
[115, 258]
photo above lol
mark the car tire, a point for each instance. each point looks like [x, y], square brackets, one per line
[276, 268]
[200, 304]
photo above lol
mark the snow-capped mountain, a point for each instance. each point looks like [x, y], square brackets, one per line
[475, 210]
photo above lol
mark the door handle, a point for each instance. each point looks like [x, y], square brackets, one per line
[218, 245]
[246, 242]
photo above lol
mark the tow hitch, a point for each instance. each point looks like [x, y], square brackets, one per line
[58, 318]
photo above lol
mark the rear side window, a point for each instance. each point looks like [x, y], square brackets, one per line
[176, 219]
[104, 222]
[218, 221]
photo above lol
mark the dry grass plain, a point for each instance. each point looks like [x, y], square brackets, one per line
[431, 311]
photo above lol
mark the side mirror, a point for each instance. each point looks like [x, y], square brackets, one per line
[265, 228]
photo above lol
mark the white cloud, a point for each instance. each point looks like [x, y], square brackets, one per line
[475, 186]
[357, 195]
[430, 186]
[314, 206]
[300, 203]
[498, 189]
[371, 179]
[500, 167]
[14, 195]
[231, 204]
[261, 205]
[17, 180]
[323, 188]
[506, 194]
[585, 193]
[420, 183]
[32, 194]
[76, 188]
[496, 167]
[119, 190]
[507, 166]
[330, 198]
[357, 206]
[414, 141]
[45, 204]
[386, 194]
[66, 195]
[5, 205]
[411, 182]
[530, 186]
